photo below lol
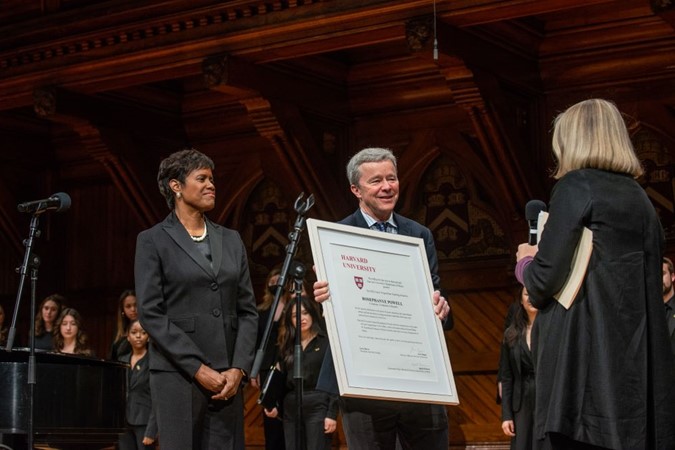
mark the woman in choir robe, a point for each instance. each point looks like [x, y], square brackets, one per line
[517, 371]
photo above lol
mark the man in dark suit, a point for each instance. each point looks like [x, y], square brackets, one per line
[378, 424]
[669, 298]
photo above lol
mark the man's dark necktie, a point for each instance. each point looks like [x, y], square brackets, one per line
[381, 226]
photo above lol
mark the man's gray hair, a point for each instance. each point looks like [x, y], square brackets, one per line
[371, 154]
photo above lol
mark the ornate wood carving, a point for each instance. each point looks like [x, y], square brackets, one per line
[47, 106]
[44, 101]
[165, 27]
[293, 148]
[418, 32]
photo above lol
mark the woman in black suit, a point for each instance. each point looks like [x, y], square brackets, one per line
[604, 370]
[517, 371]
[140, 415]
[196, 302]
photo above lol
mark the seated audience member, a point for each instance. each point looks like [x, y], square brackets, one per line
[69, 337]
[319, 407]
[48, 312]
[126, 313]
[3, 328]
[140, 415]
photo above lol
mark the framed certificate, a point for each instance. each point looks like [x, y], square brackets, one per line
[386, 340]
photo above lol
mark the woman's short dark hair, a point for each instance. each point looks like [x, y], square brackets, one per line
[177, 166]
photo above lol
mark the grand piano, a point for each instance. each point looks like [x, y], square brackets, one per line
[79, 402]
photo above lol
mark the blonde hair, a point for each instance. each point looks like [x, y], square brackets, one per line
[592, 134]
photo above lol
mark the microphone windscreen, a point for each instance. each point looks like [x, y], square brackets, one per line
[64, 201]
[533, 208]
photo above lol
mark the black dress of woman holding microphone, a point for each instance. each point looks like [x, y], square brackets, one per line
[196, 302]
[605, 376]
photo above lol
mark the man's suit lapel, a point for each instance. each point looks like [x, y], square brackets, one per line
[358, 220]
[177, 232]
[404, 226]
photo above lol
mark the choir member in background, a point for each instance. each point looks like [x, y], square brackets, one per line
[48, 311]
[272, 426]
[517, 375]
[140, 415]
[69, 336]
[126, 313]
[319, 408]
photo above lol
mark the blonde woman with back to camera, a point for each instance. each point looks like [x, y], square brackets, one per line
[605, 376]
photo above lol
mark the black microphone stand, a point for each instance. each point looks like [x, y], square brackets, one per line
[33, 261]
[298, 276]
[301, 207]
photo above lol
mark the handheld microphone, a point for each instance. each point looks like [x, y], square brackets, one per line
[532, 210]
[58, 202]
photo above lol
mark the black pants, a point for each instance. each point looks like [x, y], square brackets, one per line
[377, 424]
[132, 439]
[274, 433]
[189, 419]
[314, 410]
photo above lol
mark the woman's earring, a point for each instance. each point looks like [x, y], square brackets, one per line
[178, 195]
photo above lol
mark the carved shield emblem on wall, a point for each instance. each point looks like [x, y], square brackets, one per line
[447, 208]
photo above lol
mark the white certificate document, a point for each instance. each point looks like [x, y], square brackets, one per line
[385, 338]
